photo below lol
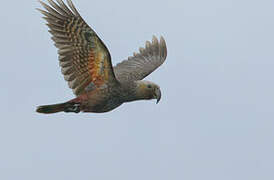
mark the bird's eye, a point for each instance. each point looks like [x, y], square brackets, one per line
[149, 86]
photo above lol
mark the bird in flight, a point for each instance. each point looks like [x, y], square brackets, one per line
[86, 65]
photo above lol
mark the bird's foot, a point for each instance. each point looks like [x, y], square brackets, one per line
[72, 107]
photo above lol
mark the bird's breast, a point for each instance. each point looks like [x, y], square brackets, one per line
[103, 100]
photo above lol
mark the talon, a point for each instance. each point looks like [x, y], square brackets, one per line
[77, 108]
[72, 108]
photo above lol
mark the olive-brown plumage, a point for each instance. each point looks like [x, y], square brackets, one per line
[86, 65]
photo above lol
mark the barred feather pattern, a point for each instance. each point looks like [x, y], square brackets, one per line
[83, 57]
[141, 64]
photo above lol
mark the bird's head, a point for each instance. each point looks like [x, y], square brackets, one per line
[148, 90]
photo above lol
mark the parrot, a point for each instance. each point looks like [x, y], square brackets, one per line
[86, 65]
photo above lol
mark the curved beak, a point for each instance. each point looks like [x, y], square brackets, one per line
[158, 95]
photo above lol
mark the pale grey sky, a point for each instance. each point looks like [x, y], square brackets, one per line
[215, 120]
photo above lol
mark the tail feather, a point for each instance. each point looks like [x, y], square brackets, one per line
[49, 109]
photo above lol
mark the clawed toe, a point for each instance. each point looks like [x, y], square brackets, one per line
[72, 108]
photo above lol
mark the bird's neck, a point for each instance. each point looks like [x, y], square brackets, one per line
[132, 92]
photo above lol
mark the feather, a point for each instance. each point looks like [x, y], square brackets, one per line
[64, 7]
[67, 70]
[52, 11]
[72, 7]
[60, 10]
[141, 64]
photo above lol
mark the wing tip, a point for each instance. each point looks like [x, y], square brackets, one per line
[163, 47]
[73, 8]
[66, 9]
[159, 44]
[155, 41]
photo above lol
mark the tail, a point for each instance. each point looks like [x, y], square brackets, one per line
[49, 109]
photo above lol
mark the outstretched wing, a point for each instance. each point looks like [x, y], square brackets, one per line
[141, 64]
[83, 57]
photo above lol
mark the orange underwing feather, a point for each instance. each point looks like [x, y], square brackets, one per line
[83, 56]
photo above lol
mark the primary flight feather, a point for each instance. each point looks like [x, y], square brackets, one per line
[86, 64]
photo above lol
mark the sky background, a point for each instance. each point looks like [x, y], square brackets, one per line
[215, 120]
